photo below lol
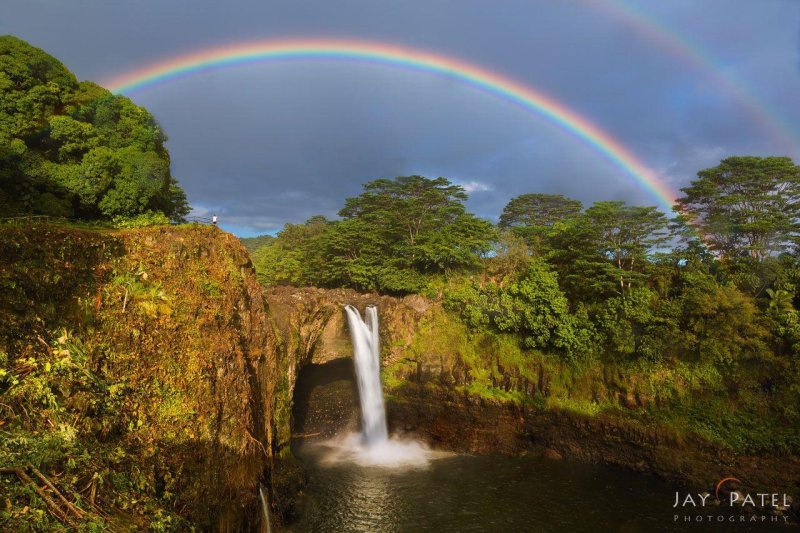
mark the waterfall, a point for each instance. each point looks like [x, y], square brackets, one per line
[265, 509]
[366, 353]
[372, 447]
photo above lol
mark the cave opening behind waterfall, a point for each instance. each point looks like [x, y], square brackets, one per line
[325, 401]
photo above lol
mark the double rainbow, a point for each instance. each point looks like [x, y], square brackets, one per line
[527, 98]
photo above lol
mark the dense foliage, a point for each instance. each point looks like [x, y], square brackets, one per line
[531, 216]
[108, 385]
[73, 149]
[394, 237]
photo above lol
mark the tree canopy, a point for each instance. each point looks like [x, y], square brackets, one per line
[535, 209]
[745, 206]
[391, 238]
[73, 149]
[533, 215]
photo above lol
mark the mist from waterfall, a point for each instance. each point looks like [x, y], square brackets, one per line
[366, 354]
[372, 447]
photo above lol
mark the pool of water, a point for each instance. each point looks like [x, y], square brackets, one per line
[464, 493]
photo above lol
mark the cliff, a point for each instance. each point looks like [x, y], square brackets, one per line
[139, 373]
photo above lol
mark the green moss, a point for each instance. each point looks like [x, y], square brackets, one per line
[578, 406]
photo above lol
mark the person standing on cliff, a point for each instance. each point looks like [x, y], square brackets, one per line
[214, 219]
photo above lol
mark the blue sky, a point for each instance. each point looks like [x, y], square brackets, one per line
[275, 143]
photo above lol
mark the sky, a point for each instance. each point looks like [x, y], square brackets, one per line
[680, 84]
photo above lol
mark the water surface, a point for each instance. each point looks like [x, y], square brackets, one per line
[461, 493]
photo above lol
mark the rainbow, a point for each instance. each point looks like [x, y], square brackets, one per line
[531, 100]
[680, 46]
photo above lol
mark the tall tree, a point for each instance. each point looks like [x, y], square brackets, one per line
[627, 235]
[745, 206]
[410, 205]
[392, 238]
[606, 249]
[422, 222]
[537, 209]
[533, 217]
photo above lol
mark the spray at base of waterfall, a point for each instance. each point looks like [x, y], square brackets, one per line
[392, 453]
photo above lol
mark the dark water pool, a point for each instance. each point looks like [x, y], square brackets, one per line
[462, 493]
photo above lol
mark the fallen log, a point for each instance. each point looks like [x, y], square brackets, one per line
[79, 513]
[52, 506]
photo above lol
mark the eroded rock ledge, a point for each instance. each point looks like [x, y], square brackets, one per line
[464, 423]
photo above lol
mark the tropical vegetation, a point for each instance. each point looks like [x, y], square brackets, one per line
[74, 150]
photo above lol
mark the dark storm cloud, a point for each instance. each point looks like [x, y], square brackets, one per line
[268, 144]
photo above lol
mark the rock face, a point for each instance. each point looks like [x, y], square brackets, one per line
[316, 321]
[218, 348]
[325, 401]
[174, 331]
[463, 423]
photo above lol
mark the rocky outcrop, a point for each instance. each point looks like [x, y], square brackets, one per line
[162, 359]
[470, 424]
[315, 324]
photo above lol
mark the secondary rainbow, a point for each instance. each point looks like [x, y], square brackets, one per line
[487, 81]
[691, 53]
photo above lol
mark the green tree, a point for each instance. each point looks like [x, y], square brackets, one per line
[638, 324]
[353, 256]
[627, 235]
[538, 209]
[416, 225]
[510, 255]
[532, 306]
[74, 149]
[393, 238]
[745, 206]
[780, 301]
[532, 216]
[605, 251]
[722, 324]
[288, 259]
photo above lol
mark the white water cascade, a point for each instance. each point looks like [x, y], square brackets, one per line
[366, 353]
[372, 447]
